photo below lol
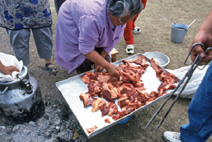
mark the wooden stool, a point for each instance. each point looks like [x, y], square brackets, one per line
[113, 53]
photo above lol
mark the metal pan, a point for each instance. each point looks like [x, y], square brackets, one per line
[72, 87]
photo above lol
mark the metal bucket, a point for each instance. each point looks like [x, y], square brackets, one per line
[20, 100]
[178, 32]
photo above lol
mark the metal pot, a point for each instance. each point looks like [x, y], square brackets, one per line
[20, 100]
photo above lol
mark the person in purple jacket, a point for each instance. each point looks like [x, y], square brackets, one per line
[87, 30]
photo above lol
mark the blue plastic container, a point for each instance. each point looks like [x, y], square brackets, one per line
[125, 120]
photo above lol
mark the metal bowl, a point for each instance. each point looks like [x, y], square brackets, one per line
[159, 57]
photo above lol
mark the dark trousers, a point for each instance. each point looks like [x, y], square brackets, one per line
[89, 65]
[57, 4]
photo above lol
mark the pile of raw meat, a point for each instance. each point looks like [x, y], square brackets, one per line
[127, 89]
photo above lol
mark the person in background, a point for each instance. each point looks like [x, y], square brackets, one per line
[20, 18]
[199, 128]
[7, 69]
[129, 30]
[88, 30]
[57, 4]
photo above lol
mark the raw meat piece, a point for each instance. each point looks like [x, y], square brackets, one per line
[94, 87]
[112, 109]
[122, 102]
[107, 96]
[140, 60]
[167, 79]
[86, 78]
[126, 88]
[103, 78]
[128, 109]
[107, 120]
[114, 93]
[156, 67]
[118, 115]
[104, 109]
[87, 99]
[97, 104]
[92, 129]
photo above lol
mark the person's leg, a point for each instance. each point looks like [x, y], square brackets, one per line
[19, 41]
[199, 128]
[128, 36]
[58, 3]
[43, 41]
[135, 30]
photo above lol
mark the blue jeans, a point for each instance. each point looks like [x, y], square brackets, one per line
[199, 128]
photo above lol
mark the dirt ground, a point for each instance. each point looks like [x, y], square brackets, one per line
[155, 21]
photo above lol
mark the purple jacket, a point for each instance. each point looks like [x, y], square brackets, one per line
[81, 26]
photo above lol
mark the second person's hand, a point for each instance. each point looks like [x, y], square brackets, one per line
[9, 69]
[201, 37]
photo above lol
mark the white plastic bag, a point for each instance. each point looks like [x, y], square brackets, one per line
[9, 60]
[194, 82]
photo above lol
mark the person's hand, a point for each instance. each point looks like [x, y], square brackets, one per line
[203, 36]
[206, 39]
[113, 70]
[98, 68]
[9, 70]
